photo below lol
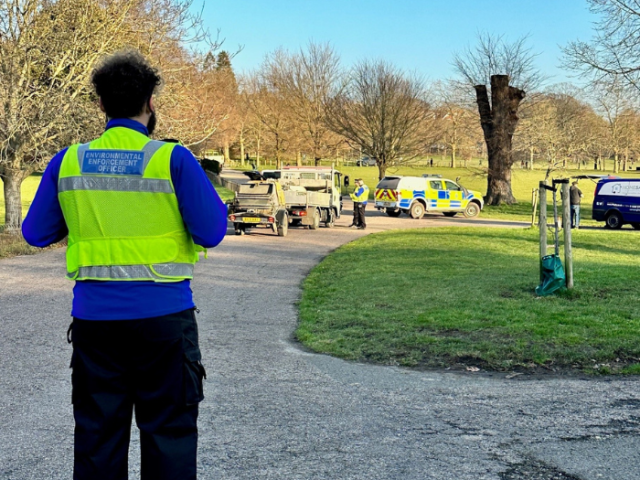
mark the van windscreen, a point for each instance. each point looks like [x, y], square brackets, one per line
[389, 183]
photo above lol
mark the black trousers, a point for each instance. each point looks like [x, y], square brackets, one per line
[358, 214]
[151, 367]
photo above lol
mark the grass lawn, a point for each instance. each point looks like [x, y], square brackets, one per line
[459, 297]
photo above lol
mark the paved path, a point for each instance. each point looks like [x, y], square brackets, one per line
[273, 411]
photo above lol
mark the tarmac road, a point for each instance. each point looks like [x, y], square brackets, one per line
[275, 411]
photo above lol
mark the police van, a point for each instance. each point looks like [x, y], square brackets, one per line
[416, 196]
[617, 202]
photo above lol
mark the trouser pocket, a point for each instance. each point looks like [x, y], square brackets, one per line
[194, 373]
[193, 370]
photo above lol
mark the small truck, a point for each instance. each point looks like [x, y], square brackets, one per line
[259, 204]
[312, 194]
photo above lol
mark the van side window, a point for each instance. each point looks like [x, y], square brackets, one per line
[435, 184]
[452, 186]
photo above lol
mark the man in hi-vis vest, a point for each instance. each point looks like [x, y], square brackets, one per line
[136, 212]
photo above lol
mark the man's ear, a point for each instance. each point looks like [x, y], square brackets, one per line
[101, 104]
[151, 105]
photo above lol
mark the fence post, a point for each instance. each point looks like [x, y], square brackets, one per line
[534, 203]
[542, 223]
[566, 226]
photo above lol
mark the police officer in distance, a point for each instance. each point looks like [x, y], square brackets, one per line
[360, 197]
[135, 224]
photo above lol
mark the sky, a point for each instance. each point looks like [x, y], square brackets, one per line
[417, 36]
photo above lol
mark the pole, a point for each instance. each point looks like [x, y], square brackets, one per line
[542, 223]
[566, 224]
[534, 203]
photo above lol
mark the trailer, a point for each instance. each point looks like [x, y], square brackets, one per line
[259, 204]
[312, 195]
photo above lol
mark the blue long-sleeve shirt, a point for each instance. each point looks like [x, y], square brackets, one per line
[202, 210]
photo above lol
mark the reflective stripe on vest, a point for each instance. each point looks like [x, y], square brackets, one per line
[114, 184]
[157, 272]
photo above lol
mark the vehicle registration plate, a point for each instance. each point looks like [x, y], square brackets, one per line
[251, 219]
[387, 204]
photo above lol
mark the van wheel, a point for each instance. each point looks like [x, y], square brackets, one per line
[316, 220]
[393, 212]
[472, 210]
[417, 210]
[449, 214]
[613, 221]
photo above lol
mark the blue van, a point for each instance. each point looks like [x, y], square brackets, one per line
[617, 202]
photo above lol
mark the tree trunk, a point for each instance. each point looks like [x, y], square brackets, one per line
[258, 153]
[453, 156]
[299, 158]
[498, 120]
[382, 170]
[13, 200]
[616, 165]
[531, 150]
[241, 150]
[226, 151]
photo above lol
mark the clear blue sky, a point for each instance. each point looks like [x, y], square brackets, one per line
[419, 36]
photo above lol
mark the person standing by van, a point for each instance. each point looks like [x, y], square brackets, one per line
[359, 197]
[575, 196]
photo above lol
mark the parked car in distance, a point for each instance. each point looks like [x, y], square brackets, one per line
[366, 162]
[617, 202]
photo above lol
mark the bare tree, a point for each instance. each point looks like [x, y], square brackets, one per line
[615, 49]
[306, 80]
[510, 71]
[613, 102]
[269, 110]
[47, 51]
[456, 123]
[381, 110]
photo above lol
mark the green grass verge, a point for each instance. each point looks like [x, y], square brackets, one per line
[454, 297]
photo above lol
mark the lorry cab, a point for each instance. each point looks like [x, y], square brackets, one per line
[617, 202]
[416, 196]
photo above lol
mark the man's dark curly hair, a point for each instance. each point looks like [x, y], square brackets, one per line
[125, 82]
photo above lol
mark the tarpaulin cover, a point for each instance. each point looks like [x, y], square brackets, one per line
[552, 276]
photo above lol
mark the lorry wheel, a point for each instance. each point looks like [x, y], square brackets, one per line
[472, 210]
[393, 212]
[613, 221]
[316, 220]
[283, 228]
[417, 210]
[331, 219]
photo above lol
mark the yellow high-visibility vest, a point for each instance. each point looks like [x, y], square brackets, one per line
[122, 212]
[363, 197]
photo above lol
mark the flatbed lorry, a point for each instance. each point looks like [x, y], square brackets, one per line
[312, 194]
